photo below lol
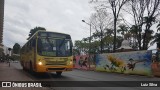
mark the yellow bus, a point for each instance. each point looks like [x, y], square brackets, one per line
[47, 52]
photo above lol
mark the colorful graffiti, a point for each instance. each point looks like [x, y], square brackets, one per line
[84, 62]
[156, 68]
[135, 62]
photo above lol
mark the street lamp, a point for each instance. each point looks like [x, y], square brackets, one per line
[89, 41]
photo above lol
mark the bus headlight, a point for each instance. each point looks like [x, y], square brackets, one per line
[39, 63]
[70, 62]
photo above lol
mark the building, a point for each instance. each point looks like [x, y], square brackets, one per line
[6, 51]
[1, 22]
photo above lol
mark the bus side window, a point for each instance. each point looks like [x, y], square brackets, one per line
[28, 47]
[33, 42]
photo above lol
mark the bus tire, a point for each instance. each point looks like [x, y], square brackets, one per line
[58, 73]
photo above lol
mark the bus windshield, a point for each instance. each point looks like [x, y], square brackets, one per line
[59, 47]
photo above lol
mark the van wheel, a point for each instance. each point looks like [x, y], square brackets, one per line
[58, 73]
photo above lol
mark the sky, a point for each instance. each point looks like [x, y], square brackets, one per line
[20, 16]
[55, 15]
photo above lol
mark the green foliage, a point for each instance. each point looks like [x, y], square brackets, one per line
[147, 36]
[144, 13]
[76, 52]
[123, 29]
[16, 48]
[157, 35]
[83, 45]
[108, 32]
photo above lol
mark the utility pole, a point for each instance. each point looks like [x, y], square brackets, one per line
[89, 42]
[9, 49]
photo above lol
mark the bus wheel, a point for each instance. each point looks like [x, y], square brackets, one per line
[58, 73]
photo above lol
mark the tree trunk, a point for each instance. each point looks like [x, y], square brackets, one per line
[114, 43]
[101, 43]
[144, 39]
[139, 38]
[145, 42]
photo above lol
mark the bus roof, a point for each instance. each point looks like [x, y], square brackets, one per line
[52, 32]
[42, 31]
[45, 31]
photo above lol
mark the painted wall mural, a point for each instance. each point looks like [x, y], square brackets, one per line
[135, 62]
[83, 62]
[156, 68]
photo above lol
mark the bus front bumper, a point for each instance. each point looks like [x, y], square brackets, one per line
[55, 68]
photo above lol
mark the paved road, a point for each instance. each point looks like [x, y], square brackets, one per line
[82, 75]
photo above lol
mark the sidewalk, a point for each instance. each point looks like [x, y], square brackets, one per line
[12, 74]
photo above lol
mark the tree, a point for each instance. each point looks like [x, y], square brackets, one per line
[158, 27]
[156, 36]
[109, 32]
[32, 31]
[122, 29]
[16, 48]
[137, 11]
[119, 41]
[152, 8]
[133, 31]
[82, 46]
[99, 22]
[115, 6]
[76, 52]
[144, 13]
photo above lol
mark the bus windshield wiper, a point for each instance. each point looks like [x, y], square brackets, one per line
[49, 42]
[61, 43]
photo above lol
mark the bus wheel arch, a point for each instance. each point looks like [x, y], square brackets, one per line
[30, 67]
